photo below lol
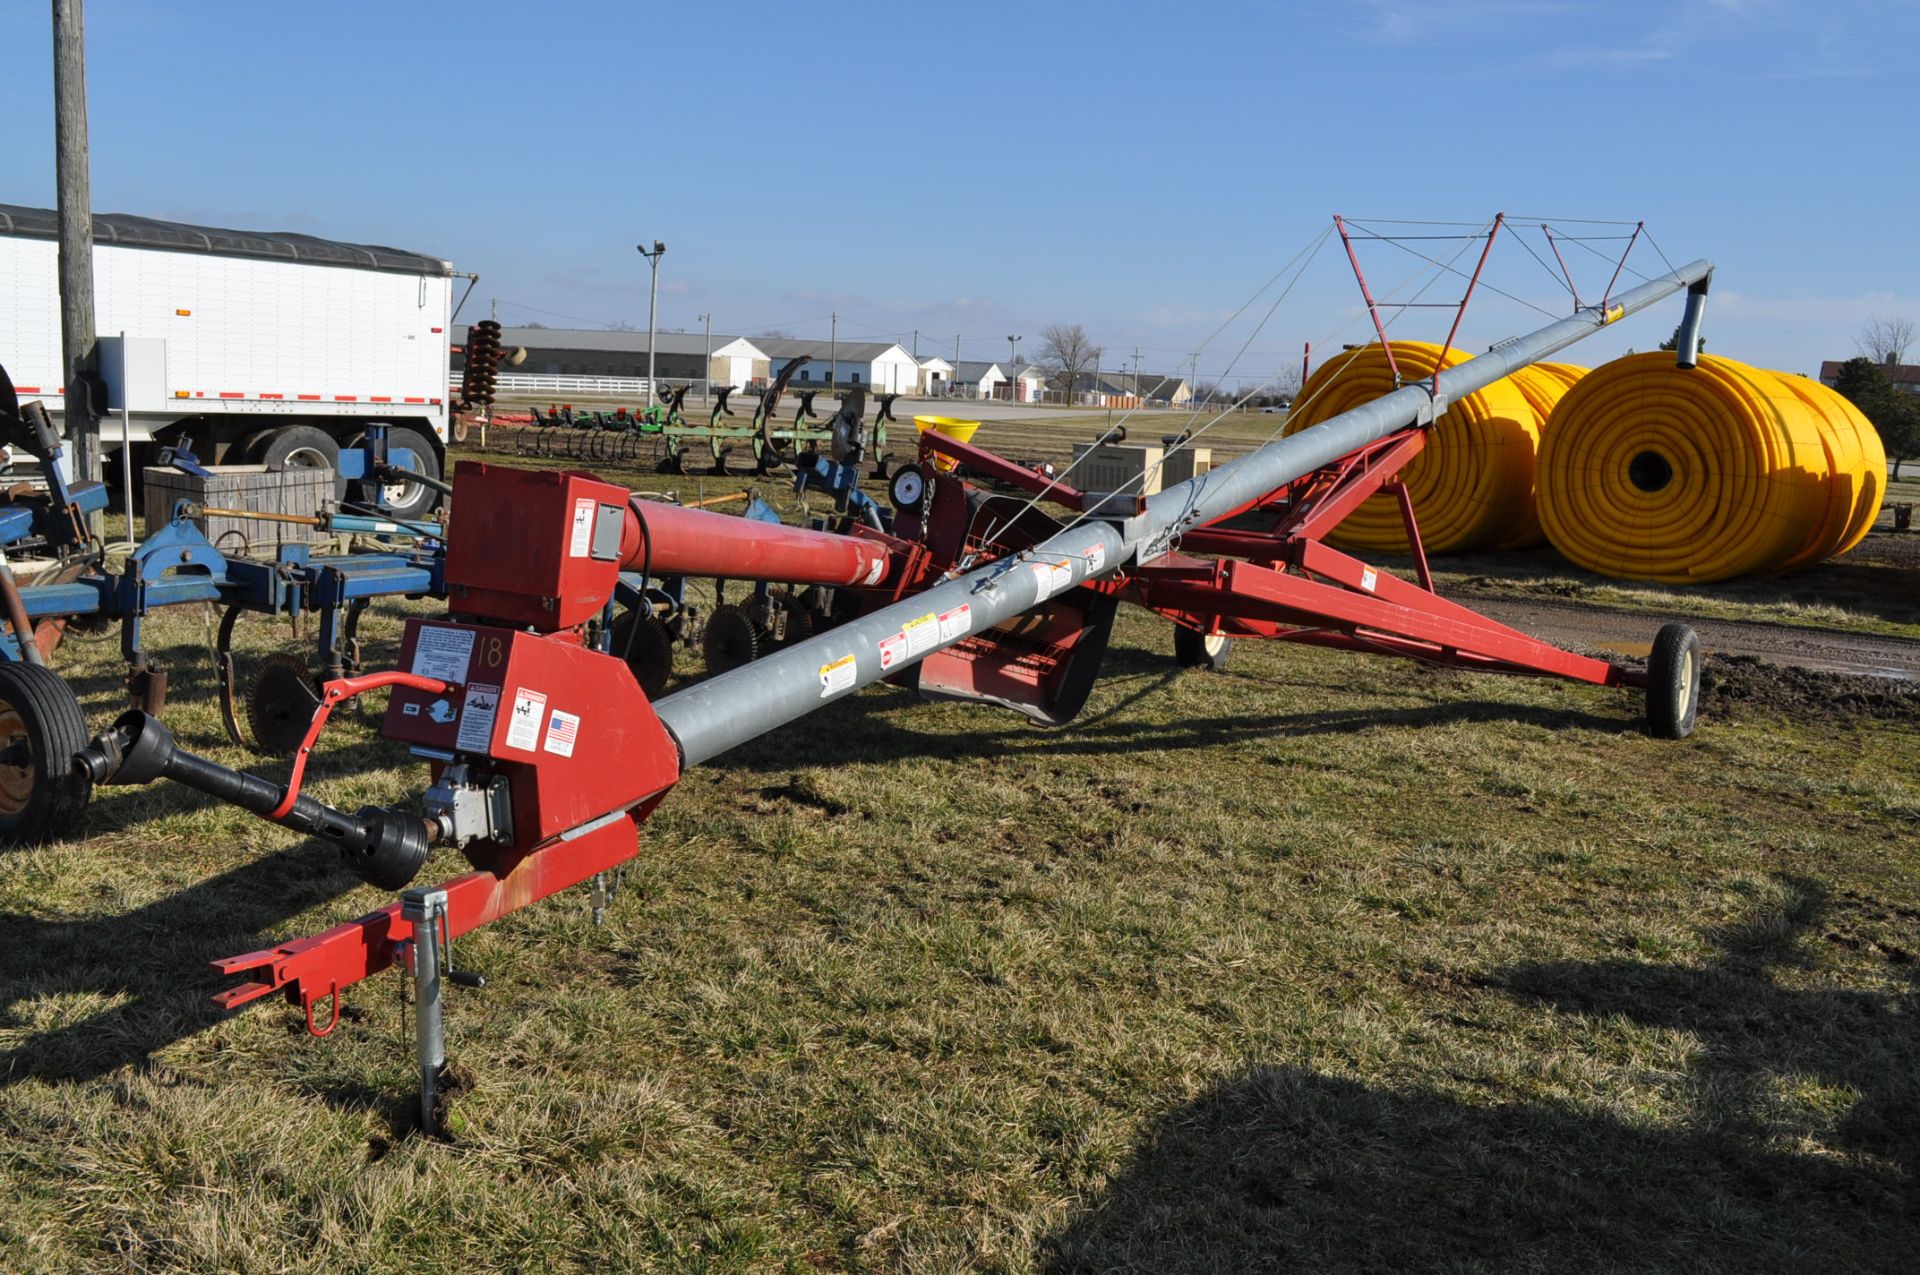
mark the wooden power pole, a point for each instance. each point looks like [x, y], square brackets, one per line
[76, 234]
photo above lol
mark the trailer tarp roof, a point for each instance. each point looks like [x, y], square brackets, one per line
[171, 236]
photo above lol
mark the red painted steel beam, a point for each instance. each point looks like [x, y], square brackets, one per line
[314, 968]
[985, 462]
[1390, 606]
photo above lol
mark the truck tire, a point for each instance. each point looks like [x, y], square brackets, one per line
[405, 500]
[301, 447]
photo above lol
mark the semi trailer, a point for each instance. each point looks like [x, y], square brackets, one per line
[262, 347]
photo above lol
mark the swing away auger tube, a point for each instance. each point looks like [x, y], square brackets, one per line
[725, 711]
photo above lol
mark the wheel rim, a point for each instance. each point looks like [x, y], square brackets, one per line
[305, 458]
[1684, 687]
[1213, 644]
[16, 782]
[397, 493]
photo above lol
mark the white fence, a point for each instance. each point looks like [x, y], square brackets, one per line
[524, 384]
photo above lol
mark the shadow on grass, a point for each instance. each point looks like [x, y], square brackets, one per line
[861, 730]
[1285, 1169]
[153, 961]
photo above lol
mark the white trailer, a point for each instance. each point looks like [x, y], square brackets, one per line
[262, 348]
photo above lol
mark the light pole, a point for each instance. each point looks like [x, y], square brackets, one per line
[1012, 367]
[653, 302]
[706, 395]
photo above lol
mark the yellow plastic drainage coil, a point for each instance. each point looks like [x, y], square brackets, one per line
[1472, 484]
[1652, 472]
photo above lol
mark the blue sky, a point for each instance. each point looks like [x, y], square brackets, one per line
[987, 169]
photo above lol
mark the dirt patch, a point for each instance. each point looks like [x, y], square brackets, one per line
[1735, 684]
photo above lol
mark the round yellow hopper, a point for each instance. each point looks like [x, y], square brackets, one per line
[952, 427]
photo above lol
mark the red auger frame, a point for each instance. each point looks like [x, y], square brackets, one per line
[546, 756]
[1268, 572]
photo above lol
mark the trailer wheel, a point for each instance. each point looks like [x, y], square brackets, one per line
[301, 447]
[1673, 682]
[41, 728]
[404, 499]
[1193, 649]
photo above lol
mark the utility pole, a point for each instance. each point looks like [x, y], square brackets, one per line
[916, 344]
[76, 236]
[706, 395]
[653, 303]
[1012, 366]
[833, 355]
[1193, 376]
[495, 315]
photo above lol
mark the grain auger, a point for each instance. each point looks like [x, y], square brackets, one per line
[969, 594]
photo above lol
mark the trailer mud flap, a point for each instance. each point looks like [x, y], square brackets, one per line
[1042, 664]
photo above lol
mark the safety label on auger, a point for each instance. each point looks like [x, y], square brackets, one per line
[477, 715]
[1369, 578]
[1096, 559]
[529, 712]
[893, 650]
[956, 623]
[878, 569]
[582, 535]
[442, 652]
[922, 634]
[837, 676]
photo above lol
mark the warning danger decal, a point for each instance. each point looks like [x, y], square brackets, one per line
[922, 634]
[580, 537]
[523, 726]
[893, 650]
[837, 676]
[955, 623]
[476, 718]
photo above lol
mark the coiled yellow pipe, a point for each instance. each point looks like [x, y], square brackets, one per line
[1472, 485]
[1648, 471]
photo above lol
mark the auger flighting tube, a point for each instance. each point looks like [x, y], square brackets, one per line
[970, 595]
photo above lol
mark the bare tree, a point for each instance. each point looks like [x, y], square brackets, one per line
[1068, 354]
[1885, 341]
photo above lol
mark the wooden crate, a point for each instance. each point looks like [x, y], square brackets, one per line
[251, 487]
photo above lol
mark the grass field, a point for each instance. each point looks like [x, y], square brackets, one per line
[1321, 963]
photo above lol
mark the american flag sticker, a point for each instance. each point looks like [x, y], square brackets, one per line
[562, 730]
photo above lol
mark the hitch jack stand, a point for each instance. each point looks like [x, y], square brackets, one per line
[427, 910]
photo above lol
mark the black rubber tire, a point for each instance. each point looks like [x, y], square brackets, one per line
[647, 649]
[300, 446]
[1673, 682]
[1193, 649]
[414, 501]
[43, 800]
[732, 639]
